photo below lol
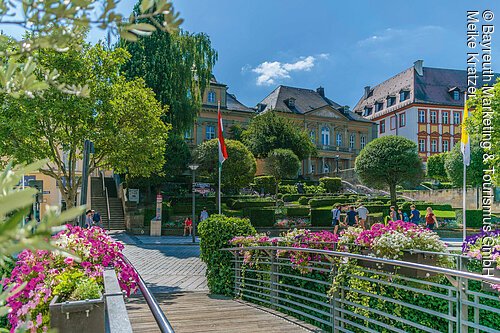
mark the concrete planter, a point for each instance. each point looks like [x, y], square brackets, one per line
[419, 258]
[78, 316]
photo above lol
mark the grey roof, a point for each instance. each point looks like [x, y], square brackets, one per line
[234, 105]
[306, 100]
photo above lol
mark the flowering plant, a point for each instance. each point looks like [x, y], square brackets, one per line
[248, 241]
[36, 276]
[293, 222]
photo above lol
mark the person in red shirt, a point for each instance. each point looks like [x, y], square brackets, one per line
[430, 219]
[188, 226]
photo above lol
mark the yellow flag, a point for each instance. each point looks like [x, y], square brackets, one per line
[465, 141]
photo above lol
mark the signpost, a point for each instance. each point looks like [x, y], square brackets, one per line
[202, 188]
[133, 195]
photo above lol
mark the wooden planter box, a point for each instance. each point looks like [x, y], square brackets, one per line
[77, 316]
[419, 258]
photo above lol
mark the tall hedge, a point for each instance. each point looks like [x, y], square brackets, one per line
[321, 217]
[261, 217]
[331, 184]
[215, 233]
[265, 183]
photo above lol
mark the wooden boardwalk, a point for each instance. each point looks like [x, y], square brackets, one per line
[191, 312]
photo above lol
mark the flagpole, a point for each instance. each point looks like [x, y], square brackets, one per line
[466, 160]
[464, 204]
[219, 123]
[220, 169]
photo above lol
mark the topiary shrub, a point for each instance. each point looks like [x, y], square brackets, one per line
[287, 189]
[297, 211]
[267, 184]
[261, 217]
[327, 201]
[240, 204]
[331, 184]
[304, 200]
[321, 217]
[215, 233]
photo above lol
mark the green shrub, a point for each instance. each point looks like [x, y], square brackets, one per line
[377, 208]
[240, 204]
[314, 189]
[215, 233]
[86, 289]
[297, 211]
[331, 184]
[261, 217]
[265, 183]
[321, 217]
[188, 208]
[474, 218]
[287, 189]
[326, 201]
[303, 200]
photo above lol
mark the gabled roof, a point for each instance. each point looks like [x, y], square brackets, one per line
[234, 104]
[304, 101]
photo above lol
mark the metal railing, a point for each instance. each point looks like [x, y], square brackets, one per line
[367, 297]
[105, 194]
[161, 319]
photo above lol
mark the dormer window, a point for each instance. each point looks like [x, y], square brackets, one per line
[391, 100]
[290, 102]
[367, 111]
[404, 95]
[456, 95]
[211, 96]
[379, 106]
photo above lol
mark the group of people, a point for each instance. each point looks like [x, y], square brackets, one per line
[92, 218]
[357, 217]
[188, 222]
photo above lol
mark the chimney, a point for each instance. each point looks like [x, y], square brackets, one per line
[321, 91]
[419, 67]
[367, 92]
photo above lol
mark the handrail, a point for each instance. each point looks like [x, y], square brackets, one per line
[103, 183]
[434, 269]
[107, 208]
[158, 314]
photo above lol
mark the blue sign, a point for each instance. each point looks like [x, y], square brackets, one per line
[25, 181]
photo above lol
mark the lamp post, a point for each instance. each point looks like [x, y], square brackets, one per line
[337, 167]
[193, 168]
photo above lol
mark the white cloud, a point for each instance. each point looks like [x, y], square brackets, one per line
[270, 72]
[399, 35]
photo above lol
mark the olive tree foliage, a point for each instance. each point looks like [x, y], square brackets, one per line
[237, 171]
[122, 118]
[54, 24]
[435, 167]
[387, 162]
[270, 131]
[454, 165]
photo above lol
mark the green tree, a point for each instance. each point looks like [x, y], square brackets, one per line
[121, 118]
[237, 171]
[282, 164]
[270, 131]
[387, 162]
[454, 165]
[435, 167]
[178, 67]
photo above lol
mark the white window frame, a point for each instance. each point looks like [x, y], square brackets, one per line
[446, 145]
[402, 120]
[325, 136]
[352, 141]
[421, 116]
[339, 139]
[422, 145]
[433, 119]
[445, 118]
[457, 118]
[211, 97]
[362, 141]
[209, 135]
[433, 145]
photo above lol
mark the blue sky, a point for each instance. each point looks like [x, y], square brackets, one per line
[340, 45]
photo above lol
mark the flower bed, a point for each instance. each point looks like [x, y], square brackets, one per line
[40, 276]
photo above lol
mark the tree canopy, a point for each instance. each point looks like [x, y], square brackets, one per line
[178, 67]
[282, 164]
[435, 167]
[270, 131]
[454, 165]
[122, 118]
[389, 161]
[237, 171]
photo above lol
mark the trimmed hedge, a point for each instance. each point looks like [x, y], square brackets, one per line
[321, 217]
[474, 218]
[187, 208]
[215, 233]
[226, 198]
[377, 208]
[240, 204]
[326, 201]
[297, 211]
[331, 184]
[266, 183]
[261, 217]
[303, 200]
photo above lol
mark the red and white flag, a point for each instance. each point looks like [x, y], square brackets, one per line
[222, 145]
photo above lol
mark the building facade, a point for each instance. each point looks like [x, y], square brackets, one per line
[422, 104]
[338, 133]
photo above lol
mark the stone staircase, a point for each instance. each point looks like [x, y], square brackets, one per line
[98, 202]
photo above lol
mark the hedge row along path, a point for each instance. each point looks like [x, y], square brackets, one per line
[175, 274]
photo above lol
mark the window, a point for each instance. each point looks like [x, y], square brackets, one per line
[433, 117]
[456, 95]
[352, 141]
[210, 132]
[393, 122]
[421, 116]
[382, 126]
[339, 139]
[404, 95]
[446, 145]
[434, 146]
[402, 120]
[379, 106]
[312, 167]
[363, 141]
[367, 111]
[211, 96]
[291, 102]
[444, 118]
[325, 136]
[421, 145]
[391, 101]
[456, 118]
[312, 135]
[326, 168]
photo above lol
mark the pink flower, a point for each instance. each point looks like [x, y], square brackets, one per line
[39, 319]
[68, 261]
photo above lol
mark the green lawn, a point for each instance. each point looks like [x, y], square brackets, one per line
[445, 214]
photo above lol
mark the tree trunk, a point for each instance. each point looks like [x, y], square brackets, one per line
[392, 190]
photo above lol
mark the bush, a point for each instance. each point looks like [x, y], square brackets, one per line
[265, 183]
[215, 233]
[188, 208]
[377, 208]
[287, 189]
[240, 204]
[326, 201]
[321, 217]
[297, 211]
[303, 200]
[331, 184]
[474, 218]
[261, 217]
[314, 189]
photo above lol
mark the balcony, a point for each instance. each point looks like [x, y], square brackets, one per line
[337, 148]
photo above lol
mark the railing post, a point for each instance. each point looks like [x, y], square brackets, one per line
[274, 278]
[463, 308]
[237, 274]
[334, 323]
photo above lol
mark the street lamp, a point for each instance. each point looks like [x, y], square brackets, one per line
[337, 168]
[193, 168]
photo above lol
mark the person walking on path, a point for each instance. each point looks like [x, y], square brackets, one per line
[96, 218]
[430, 219]
[203, 214]
[402, 215]
[393, 215]
[336, 219]
[362, 215]
[414, 215]
[88, 219]
[351, 217]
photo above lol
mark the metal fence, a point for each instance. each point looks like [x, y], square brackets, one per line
[369, 294]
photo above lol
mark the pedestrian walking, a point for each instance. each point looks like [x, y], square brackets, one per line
[430, 219]
[414, 215]
[336, 218]
[96, 218]
[403, 216]
[362, 215]
[203, 214]
[88, 219]
[351, 217]
[393, 214]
